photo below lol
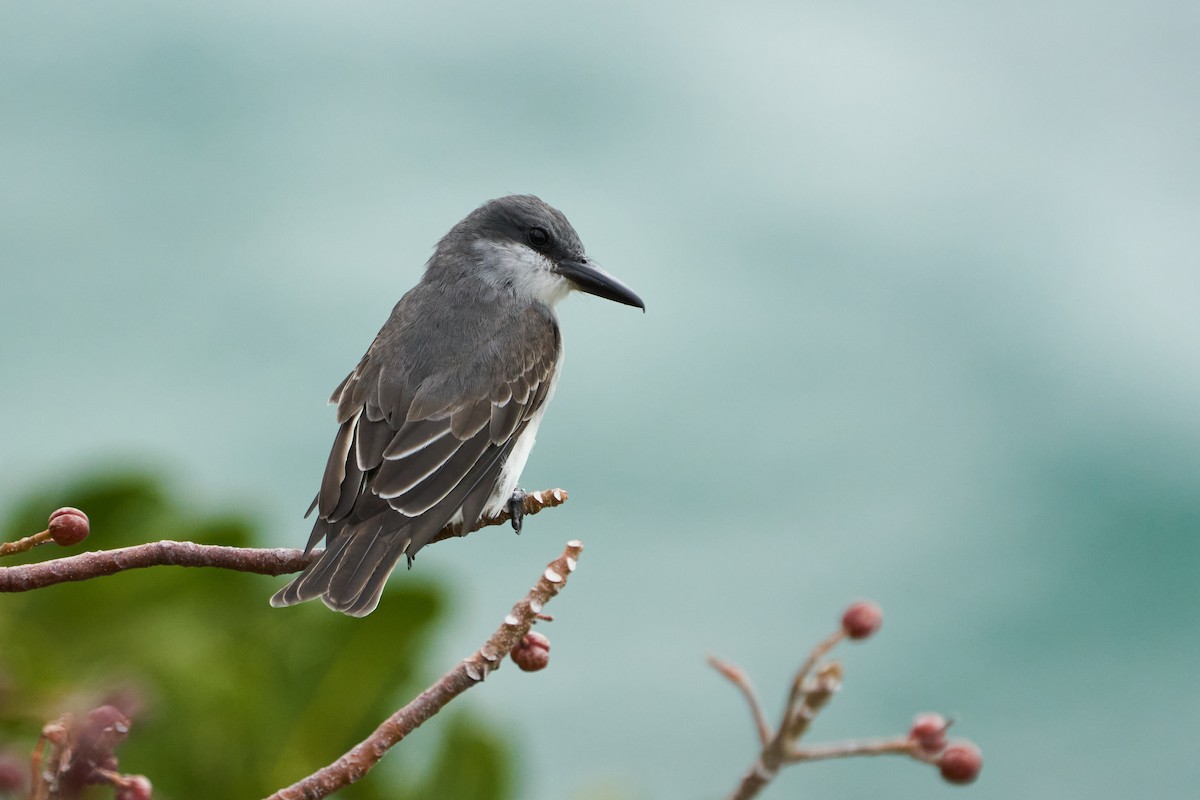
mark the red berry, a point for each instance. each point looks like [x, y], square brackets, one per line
[92, 741]
[862, 619]
[102, 729]
[13, 772]
[107, 721]
[532, 652]
[929, 732]
[961, 762]
[69, 526]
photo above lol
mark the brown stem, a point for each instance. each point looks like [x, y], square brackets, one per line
[795, 697]
[737, 676]
[280, 561]
[23, 545]
[363, 756]
[900, 745]
[180, 554]
[775, 754]
[816, 694]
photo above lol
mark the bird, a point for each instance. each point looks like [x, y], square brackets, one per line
[438, 418]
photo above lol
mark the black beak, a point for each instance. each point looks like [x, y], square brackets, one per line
[587, 276]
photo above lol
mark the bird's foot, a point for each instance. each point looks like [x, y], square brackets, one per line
[516, 509]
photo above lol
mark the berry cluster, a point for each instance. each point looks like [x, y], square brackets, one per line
[74, 753]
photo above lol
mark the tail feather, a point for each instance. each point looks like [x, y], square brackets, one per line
[371, 552]
[371, 586]
[339, 575]
[350, 574]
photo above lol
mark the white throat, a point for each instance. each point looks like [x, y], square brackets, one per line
[519, 269]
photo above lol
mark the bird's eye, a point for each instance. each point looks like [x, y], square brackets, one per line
[538, 237]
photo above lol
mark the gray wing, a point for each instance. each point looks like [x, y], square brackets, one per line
[412, 453]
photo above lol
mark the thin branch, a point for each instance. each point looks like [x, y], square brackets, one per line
[263, 561]
[532, 504]
[959, 762]
[24, 545]
[98, 563]
[737, 676]
[815, 693]
[363, 756]
[898, 745]
[795, 696]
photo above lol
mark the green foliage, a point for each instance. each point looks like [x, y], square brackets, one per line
[236, 698]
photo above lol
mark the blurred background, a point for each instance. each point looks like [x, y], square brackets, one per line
[921, 326]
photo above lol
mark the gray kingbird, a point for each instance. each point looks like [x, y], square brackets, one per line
[438, 418]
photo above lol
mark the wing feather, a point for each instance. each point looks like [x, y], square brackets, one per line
[425, 432]
[438, 485]
[399, 475]
[334, 481]
[505, 420]
[356, 591]
[371, 438]
[414, 436]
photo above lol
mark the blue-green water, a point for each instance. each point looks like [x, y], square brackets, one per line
[921, 326]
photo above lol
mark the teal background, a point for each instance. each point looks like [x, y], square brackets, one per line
[922, 286]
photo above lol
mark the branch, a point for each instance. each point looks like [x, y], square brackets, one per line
[796, 695]
[28, 543]
[959, 762]
[816, 693]
[739, 679]
[896, 746]
[263, 561]
[164, 553]
[363, 756]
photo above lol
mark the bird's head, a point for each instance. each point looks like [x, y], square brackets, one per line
[523, 245]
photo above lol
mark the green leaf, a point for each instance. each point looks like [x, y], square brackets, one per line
[232, 698]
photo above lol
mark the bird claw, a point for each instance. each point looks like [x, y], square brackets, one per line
[516, 509]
